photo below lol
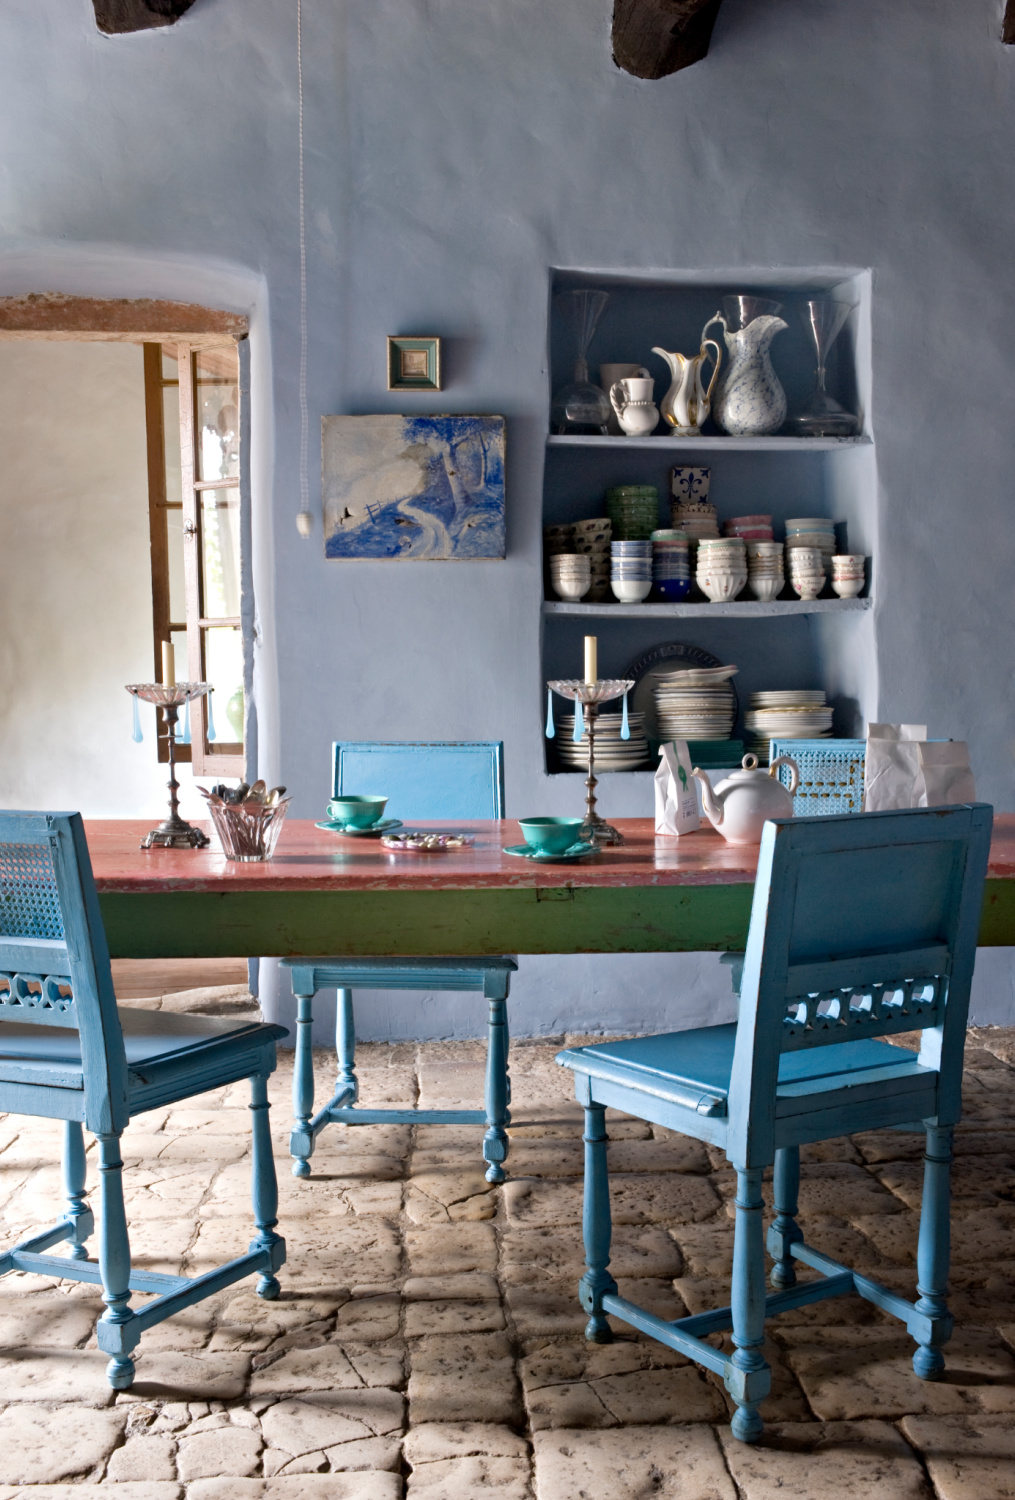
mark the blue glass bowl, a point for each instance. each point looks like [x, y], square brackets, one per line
[673, 589]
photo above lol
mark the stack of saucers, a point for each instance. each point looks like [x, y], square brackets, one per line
[765, 572]
[671, 570]
[695, 703]
[751, 528]
[848, 574]
[791, 715]
[812, 531]
[631, 571]
[697, 517]
[612, 753]
[570, 575]
[721, 568]
[634, 511]
[806, 571]
[593, 539]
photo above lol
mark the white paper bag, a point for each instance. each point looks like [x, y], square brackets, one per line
[676, 797]
[903, 768]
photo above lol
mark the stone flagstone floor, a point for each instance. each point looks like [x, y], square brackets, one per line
[428, 1340]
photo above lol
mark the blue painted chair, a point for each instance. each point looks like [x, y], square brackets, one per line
[67, 1053]
[422, 781]
[861, 926]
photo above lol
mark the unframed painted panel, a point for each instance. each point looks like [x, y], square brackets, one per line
[413, 487]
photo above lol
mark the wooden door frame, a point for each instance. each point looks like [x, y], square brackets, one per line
[61, 317]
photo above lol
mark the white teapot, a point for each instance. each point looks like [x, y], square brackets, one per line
[741, 804]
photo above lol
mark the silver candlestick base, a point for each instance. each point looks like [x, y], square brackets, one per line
[594, 829]
[173, 832]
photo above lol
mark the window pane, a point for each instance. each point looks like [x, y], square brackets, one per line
[171, 438]
[177, 591]
[170, 368]
[223, 668]
[218, 413]
[179, 640]
[220, 560]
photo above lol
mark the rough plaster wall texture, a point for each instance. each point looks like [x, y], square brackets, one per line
[75, 608]
[455, 150]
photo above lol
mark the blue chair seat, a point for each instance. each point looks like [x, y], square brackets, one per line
[165, 1055]
[691, 1070]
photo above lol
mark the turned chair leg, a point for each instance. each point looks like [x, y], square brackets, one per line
[301, 1140]
[596, 1227]
[785, 1232]
[264, 1189]
[77, 1209]
[495, 1142]
[117, 1331]
[748, 1377]
[933, 1326]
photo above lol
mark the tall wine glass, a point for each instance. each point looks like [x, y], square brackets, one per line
[581, 406]
[823, 319]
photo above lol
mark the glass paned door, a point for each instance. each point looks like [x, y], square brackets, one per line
[209, 467]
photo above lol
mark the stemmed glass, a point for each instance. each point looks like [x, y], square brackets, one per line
[581, 406]
[823, 319]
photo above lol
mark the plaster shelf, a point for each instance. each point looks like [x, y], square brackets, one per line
[737, 609]
[710, 444]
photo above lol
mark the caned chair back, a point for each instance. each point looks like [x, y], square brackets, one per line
[462, 779]
[54, 964]
[861, 927]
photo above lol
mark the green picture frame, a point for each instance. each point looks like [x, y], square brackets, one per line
[414, 364]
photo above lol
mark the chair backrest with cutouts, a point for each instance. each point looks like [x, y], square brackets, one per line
[456, 779]
[54, 963]
[861, 927]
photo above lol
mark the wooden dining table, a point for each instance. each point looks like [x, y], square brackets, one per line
[324, 893]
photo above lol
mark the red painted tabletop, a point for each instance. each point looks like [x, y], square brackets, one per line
[310, 858]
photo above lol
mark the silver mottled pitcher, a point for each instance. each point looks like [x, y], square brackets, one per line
[749, 400]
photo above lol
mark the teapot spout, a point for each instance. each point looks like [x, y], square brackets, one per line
[713, 809]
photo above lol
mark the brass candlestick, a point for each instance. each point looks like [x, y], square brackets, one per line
[173, 832]
[594, 830]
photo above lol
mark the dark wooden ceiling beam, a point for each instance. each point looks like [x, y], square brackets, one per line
[114, 17]
[653, 38]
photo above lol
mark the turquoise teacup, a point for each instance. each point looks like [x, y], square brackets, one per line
[357, 812]
[550, 835]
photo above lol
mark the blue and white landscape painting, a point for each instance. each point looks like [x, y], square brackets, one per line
[413, 487]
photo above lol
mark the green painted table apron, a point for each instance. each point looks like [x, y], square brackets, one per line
[326, 894]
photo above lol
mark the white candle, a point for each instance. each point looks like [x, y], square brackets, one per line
[168, 664]
[591, 664]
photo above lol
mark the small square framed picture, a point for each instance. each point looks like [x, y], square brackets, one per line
[414, 364]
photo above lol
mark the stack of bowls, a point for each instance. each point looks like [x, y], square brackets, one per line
[695, 703]
[765, 572]
[592, 538]
[631, 570]
[751, 528]
[697, 517]
[790, 715]
[806, 571]
[671, 568]
[558, 539]
[722, 568]
[811, 532]
[570, 575]
[634, 511]
[612, 753]
[848, 574]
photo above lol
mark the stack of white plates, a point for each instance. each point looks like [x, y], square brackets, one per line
[695, 703]
[790, 715]
[612, 753]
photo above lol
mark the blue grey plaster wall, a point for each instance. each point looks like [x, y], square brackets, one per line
[456, 149]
